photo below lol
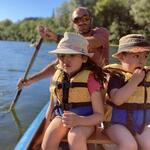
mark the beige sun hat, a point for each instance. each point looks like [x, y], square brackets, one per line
[132, 43]
[72, 43]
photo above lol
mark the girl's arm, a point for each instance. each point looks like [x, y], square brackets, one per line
[45, 72]
[71, 119]
[98, 111]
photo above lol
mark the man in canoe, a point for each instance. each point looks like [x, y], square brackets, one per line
[82, 23]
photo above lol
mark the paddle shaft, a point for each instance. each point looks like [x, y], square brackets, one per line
[14, 101]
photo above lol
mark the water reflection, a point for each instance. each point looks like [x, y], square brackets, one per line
[17, 122]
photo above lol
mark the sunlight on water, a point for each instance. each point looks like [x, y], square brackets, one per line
[15, 70]
[4, 107]
[1, 94]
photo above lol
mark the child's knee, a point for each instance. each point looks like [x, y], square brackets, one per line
[75, 135]
[129, 146]
[49, 142]
[146, 145]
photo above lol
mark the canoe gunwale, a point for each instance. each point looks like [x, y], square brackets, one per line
[30, 133]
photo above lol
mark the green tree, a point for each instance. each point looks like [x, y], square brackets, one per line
[6, 23]
[115, 15]
[140, 10]
[63, 16]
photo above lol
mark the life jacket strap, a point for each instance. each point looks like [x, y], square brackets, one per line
[145, 84]
[69, 85]
[68, 106]
[130, 106]
[65, 90]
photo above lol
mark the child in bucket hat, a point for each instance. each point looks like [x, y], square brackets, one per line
[76, 91]
[129, 94]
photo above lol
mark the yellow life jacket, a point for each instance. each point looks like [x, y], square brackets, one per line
[138, 96]
[77, 93]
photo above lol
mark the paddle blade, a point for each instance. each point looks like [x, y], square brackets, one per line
[15, 100]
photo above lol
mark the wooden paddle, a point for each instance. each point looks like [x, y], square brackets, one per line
[37, 47]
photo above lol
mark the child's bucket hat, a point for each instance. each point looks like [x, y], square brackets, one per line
[72, 43]
[132, 43]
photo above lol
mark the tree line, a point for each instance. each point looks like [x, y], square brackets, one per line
[119, 17]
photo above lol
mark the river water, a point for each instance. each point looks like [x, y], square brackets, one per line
[14, 59]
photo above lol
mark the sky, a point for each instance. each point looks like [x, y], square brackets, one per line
[16, 10]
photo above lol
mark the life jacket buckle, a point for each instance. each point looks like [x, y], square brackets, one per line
[65, 85]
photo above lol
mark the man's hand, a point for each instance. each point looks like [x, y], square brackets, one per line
[21, 83]
[46, 33]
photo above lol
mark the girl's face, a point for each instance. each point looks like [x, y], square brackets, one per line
[71, 63]
[131, 61]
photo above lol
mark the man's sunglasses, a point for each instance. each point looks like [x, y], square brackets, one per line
[84, 18]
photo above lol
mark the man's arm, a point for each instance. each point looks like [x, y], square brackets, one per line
[46, 72]
[99, 38]
[94, 42]
[99, 41]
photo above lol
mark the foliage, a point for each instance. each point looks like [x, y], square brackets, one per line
[115, 16]
[63, 13]
[119, 17]
[140, 10]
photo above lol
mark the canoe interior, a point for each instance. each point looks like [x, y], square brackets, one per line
[37, 135]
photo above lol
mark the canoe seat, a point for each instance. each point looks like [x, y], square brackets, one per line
[98, 137]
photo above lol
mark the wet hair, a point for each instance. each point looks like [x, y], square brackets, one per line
[98, 72]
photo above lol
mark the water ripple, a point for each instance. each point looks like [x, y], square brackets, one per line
[15, 70]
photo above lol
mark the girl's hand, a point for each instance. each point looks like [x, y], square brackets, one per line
[70, 119]
[138, 75]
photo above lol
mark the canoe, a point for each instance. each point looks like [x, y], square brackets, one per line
[32, 133]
